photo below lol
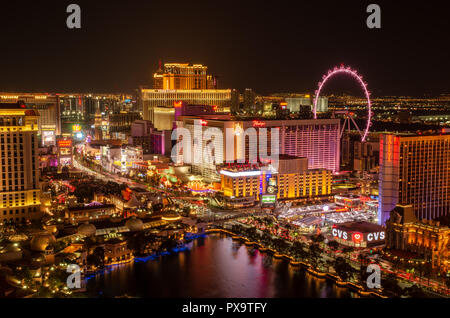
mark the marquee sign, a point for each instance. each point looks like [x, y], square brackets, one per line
[358, 237]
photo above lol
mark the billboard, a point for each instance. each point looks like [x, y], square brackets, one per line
[76, 128]
[271, 182]
[48, 137]
[65, 143]
[359, 234]
[268, 199]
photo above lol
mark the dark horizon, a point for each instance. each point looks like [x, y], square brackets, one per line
[270, 47]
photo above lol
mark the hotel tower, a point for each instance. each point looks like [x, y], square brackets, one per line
[19, 170]
[414, 170]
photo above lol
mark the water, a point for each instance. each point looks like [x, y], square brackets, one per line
[212, 266]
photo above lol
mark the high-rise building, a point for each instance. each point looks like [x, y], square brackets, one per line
[183, 76]
[49, 120]
[414, 170]
[76, 108]
[297, 103]
[158, 105]
[121, 121]
[98, 132]
[246, 184]
[295, 182]
[180, 82]
[365, 155]
[249, 101]
[158, 77]
[19, 170]
[151, 140]
[317, 140]
[235, 102]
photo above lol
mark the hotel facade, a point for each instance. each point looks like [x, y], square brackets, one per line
[317, 140]
[49, 120]
[158, 104]
[180, 82]
[246, 185]
[414, 170]
[19, 170]
[427, 238]
[183, 76]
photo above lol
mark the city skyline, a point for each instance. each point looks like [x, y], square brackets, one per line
[269, 49]
[219, 150]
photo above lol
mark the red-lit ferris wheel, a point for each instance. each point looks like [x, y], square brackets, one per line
[347, 70]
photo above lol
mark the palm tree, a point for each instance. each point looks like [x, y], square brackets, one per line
[390, 284]
[348, 250]
[397, 263]
[168, 244]
[447, 281]
[414, 291]
[328, 264]
[97, 258]
[342, 268]
[362, 258]
[295, 249]
[251, 233]
[314, 253]
[333, 245]
[319, 238]
[428, 270]
[280, 245]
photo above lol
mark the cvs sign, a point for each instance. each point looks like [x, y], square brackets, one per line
[375, 236]
[339, 234]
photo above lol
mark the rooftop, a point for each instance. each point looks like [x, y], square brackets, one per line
[361, 226]
[18, 105]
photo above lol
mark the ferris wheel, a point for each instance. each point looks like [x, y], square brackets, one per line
[348, 115]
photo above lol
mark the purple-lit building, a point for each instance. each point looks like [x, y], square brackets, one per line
[151, 140]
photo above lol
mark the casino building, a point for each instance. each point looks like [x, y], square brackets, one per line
[414, 170]
[180, 82]
[158, 105]
[19, 170]
[246, 185]
[317, 140]
[48, 106]
[359, 234]
[427, 238]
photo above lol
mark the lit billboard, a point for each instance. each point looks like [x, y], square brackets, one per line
[48, 137]
[65, 143]
[268, 199]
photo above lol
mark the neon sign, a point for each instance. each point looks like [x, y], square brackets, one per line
[65, 143]
[357, 237]
[259, 123]
[76, 128]
[375, 236]
[240, 173]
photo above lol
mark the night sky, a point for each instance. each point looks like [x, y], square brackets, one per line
[270, 46]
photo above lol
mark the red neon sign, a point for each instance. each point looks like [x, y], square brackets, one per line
[357, 237]
[259, 123]
[66, 143]
[203, 122]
